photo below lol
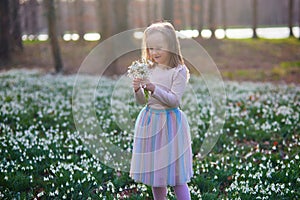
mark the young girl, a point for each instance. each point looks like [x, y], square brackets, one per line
[162, 154]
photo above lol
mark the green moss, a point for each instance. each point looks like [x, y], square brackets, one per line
[247, 74]
[289, 64]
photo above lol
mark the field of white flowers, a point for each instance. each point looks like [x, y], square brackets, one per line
[43, 155]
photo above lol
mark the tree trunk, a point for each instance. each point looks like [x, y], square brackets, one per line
[59, 16]
[121, 16]
[105, 19]
[4, 33]
[181, 14]
[52, 31]
[290, 11]
[33, 8]
[149, 11]
[192, 14]
[16, 33]
[212, 19]
[156, 10]
[200, 16]
[254, 25]
[79, 18]
[224, 16]
[168, 11]
[70, 17]
[299, 18]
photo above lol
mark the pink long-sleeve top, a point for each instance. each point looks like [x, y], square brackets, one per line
[169, 84]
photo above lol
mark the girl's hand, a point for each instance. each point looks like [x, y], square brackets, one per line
[136, 83]
[147, 85]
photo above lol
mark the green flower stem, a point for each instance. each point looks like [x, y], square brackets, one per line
[146, 95]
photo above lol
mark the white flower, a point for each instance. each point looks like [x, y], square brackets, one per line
[139, 69]
[284, 110]
[40, 194]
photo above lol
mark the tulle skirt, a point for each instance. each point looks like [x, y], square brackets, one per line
[162, 153]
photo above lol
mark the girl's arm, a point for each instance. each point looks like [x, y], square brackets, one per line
[138, 93]
[139, 96]
[172, 97]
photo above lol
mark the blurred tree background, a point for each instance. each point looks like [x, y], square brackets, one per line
[22, 21]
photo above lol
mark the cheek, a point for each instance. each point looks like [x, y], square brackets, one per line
[166, 54]
[151, 53]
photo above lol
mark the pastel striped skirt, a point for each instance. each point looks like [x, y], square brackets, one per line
[162, 153]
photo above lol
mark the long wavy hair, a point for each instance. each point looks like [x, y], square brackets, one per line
[169, 33]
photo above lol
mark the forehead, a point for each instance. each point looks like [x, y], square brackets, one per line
[156, 39]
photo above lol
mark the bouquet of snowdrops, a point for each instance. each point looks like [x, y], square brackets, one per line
[140, 69]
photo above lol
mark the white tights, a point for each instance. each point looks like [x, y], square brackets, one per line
[181, 192]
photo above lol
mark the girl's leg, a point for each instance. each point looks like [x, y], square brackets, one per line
[159, 193]
[182, 192]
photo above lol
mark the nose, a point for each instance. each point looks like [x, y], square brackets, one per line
[153, 51]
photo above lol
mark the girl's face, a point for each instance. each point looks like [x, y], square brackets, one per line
[158, 48]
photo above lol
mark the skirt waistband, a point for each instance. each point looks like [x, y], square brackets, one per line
[161, 110]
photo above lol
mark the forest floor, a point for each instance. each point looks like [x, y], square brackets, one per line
[260, 60]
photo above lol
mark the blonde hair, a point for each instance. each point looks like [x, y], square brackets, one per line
[169, 33]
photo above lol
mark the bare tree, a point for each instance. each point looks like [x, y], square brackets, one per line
[156, 9]
[59, 16]
[30, 16]
[254, 22]
[113, 15]
[148, 11]
[181, 14]
[121, 15]
[299, 18]
[10, 30]
[200, 16]
[290, 13]
[16, 33]
[224, 15]
[192, 14]
[212, 19]
[52, 32]
[33, 8]
[5, 53]
[168, 10]
[105, 20]
[70, 16]
[79, 17]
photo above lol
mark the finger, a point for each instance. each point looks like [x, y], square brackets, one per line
[134, 82]
[144, 82]
[138, 79]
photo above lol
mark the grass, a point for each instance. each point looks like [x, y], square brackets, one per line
[233, 58]
[243, 74]
[295, 64]
[236, 58]
[293, 41]
[277, 73]
[44, 155]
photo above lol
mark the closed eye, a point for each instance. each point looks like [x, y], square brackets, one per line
[157, 49]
